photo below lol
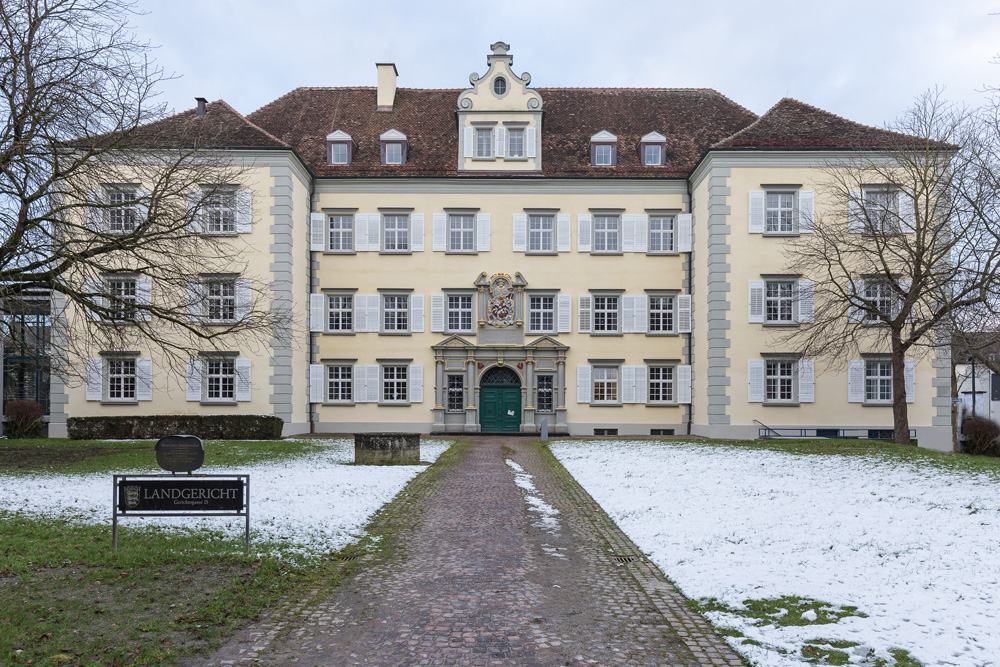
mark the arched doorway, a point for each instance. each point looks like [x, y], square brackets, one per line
[500, 400]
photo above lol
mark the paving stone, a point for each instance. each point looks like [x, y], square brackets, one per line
[480, 581]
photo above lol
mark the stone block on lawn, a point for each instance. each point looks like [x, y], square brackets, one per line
[387, 448]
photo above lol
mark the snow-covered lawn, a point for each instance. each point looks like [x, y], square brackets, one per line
[916, 548]
[309, 504]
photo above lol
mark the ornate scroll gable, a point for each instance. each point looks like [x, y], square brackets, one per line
[512, 93]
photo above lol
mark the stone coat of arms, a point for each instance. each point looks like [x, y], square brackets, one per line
[500, 307]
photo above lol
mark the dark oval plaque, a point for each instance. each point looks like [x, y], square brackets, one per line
[180, 453]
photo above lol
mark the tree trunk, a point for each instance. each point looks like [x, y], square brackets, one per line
[900, 419]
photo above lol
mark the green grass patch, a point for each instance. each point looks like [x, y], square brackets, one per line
[783, 611]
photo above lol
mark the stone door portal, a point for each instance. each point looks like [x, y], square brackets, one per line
[500, 401]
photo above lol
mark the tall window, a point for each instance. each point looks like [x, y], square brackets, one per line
[661, 384]
[878, 381]
[661, 314]
[341, 312]
[779, 208]
[221, 380]
[605, 384]
[339, 388]
[456, 393]
[460, 312]
[461, 232]
[220, 213]
[220, 300]
[123, 298]
[396, 232]
[395, 312]
[394, 384]
[341, 233]
[124, 211]
[606, 314]
[778, 301]
[484, 143]
[881, 215]
[778, 377]
[652, 154]
[605, 233]
[121, 379]
[541, 314]
[541, 233]
[882, 298]
[544, 399]
[515, 143]
[661, 233]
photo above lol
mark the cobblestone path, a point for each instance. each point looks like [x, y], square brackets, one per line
[487, 574]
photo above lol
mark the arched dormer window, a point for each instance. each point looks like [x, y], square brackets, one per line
[604, 149]
[653, 150]
[394, 147]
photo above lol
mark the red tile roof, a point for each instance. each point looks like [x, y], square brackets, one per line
[221, 127]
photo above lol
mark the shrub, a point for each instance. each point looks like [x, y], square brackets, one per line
[207, 427]
[982, 436]
[25, 419]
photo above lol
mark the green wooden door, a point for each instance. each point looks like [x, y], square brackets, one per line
[500, 409]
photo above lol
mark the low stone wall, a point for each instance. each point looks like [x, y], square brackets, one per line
[387, 448]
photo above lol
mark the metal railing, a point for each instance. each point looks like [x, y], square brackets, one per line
[847, 433]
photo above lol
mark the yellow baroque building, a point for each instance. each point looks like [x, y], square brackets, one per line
[499, 257]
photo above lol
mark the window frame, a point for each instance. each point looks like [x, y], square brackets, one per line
[779, 377]
[453, 216]
[880, 378]
[594, 250]
[551, 233]
[598, 150]
[606, 382]
[670, 383]
[523, 153]
[388, 147]
[791, 299]
[225, 210]
[646, 146]
[207, 285]
[107, 376]
[793, 212]
[490, 153]
[335, 145]
[383, 330]
[529, 328]
[887, 295]
[671, 234]
[328, 384]
[329, 311]
[449, 295]
[383, 367]
[127, 208]
[455, 391]
[225, 361]
[350, 232]
[617, 331]
[672, 331]
[550, 378]
[889, 221]
[398, 233]
[122, 307]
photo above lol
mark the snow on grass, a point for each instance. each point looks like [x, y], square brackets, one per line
[915, 548]
[309, 504]
[547, 514]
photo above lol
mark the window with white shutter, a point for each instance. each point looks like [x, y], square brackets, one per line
[755, 303]
[417, 232]
[439, 232]
[244, 211]
[483, 232]
[520, 232]
[437, 313]
[685, 224]
[683, 313]
[584, 223]
[684, 384]
[583, 309]
[563, 233]
[755, 380]
[807, 381]
[317, 383]
[583, 384]
[565, 313]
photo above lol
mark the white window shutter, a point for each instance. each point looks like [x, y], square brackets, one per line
[907, 212]
[469, 144]
[439, 232]
[437, 313]
[583, 384]
[242, 368]
[641, 395]
[583, 233]
[317, 383]
[417, 232]
[855, 214]
[143, 198]
[195, 302]
[755, 301]
[359, 375]
[756, 208]
[95, 286]
[854, 313]
[360, 232]
[807, 300]
[529, 142]
[755, 380]
[483, 232]
[360, 314]
[317, 313]
[628, 313]
[685, 222]
[373, 385]
[807, 200]
[144, 379]
[374, 232]
[583, 307]
[95, 378]
[628, 232]
[317, 232]
[628, 384]
[193, 380]
[910, 380]
[856, 381]
[683, 313]
[807, 381]
[642, 234]
[194, 213]
[563, 233]
[244, 211]
[641, 314]
[565, 313]
[144, 297]
[520, 242]
[374, 315]
[416, 383]
[684, 384]
[244, 298]
[417, 313]
[500, 141]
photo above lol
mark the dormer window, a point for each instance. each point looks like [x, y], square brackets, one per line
[484, 142]
[394, 147]
[339, 148]
[604, 149]
[652, 149]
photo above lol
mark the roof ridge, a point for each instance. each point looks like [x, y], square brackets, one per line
[839, 117]
[250, 123]
[748, 127]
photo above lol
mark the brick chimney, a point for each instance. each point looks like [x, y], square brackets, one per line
[386, 86]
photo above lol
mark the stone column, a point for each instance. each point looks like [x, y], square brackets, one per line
[471, 397]
[528, 412]
[440, 391]
[560, 396]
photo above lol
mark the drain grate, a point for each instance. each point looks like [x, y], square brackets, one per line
[625, 559]
[351, 557]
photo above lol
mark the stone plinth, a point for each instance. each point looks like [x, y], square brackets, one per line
[387, 448]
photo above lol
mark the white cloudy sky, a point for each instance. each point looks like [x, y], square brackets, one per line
[863, 59]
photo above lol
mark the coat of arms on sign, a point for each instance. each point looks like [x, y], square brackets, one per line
[500, 308]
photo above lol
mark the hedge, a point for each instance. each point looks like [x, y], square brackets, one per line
[154, 427]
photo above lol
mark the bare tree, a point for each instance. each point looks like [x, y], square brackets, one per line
[97, 183]
[907, 240]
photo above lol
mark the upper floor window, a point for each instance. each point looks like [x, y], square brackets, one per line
[778, 301]
[605, 315]
[339, 153]
[500, 86]
[460, 312]
[662, 237]
[341, 230]
[340, 313]
[123, 215]
[883, 300]
[662, 314]
[461, 232]
[541, 314]
[484, 142]
[779, 213]
[340, 147]
[602, 154]
[652, 149]
[395, 233]
[220, 213]
[394, 147]
[123, 293]
[541, 233]
[220, 300]
[393, 153]
[606, 233]
[781, 210]
[396, 313]
[515, 142]
[603, 149]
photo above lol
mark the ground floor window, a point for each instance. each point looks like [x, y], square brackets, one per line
[606, 384]
[221, 380]
[878, 381]
[394, 384]
[778, 376]
[456, 393]
[121, 380]
[339, 383]
[661, 384]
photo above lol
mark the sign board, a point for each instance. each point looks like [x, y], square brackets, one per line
[180, 453]
[180, 494]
